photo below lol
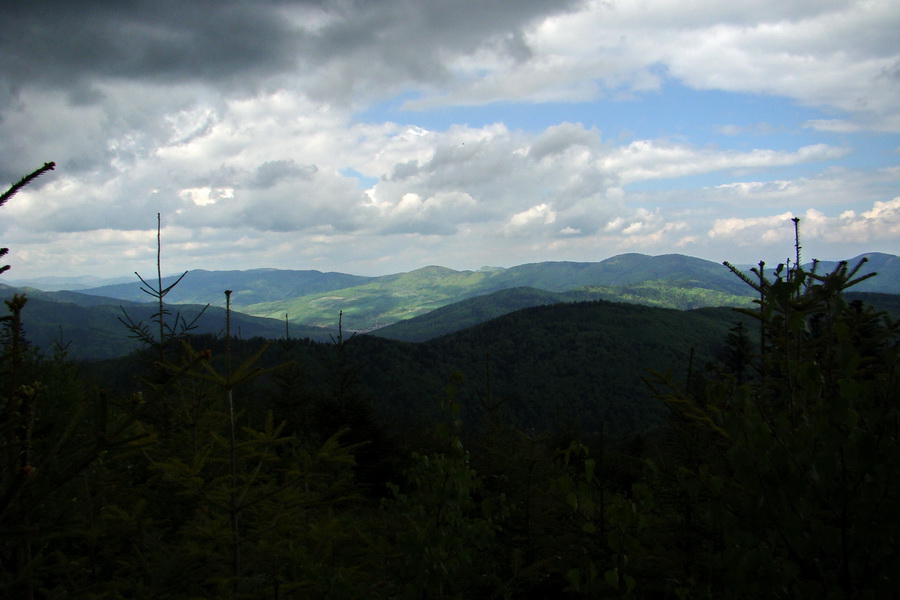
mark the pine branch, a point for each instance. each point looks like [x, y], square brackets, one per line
[743, 276]
[25, 181]
[12, 192]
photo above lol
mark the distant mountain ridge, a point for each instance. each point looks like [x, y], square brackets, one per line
[53, 284]
[249, 287]
[367, 303]
[431, 301]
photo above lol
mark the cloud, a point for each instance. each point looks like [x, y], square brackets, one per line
[500, 173]
[840, 54]
[205, 196]
[834, 187]
[531, 218]
[751, 230]
[834, 125]
[275, 171]
[560, 138]
[341, 51]
[278, 165]
[440, 214]
[648, 159]
[879, 223]
[736, 130]
[58, 44]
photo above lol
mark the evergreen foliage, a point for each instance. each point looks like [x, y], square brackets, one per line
[13, 189]
[53, 435]
[787, 478]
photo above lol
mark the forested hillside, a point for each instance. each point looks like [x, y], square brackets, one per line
[551, 368]
[566, 366]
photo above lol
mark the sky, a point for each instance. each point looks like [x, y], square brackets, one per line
[379, 136]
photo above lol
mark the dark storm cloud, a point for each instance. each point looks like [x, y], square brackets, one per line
[61, 43]
[389, 44]
[412, 29]
[69, 44]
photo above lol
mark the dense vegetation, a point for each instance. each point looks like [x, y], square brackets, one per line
[211, 467]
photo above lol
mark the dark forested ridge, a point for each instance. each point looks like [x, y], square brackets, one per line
[580, 450]
[550, 367]
[472, 311]
[577, 364]
[467, 313]
[89, 327]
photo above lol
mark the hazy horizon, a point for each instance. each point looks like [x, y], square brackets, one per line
[9, 278]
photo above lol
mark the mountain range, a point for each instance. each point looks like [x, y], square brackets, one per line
[413, 306]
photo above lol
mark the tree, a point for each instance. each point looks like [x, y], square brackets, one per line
[53, 433]
[797, 487]
[160, 340]
[256, 508]
[446, 546]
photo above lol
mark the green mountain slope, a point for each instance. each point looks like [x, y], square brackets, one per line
[467, 313]
[624, 269]
[380, 301]
[392, 298]
[318, 298]
[472, 311]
